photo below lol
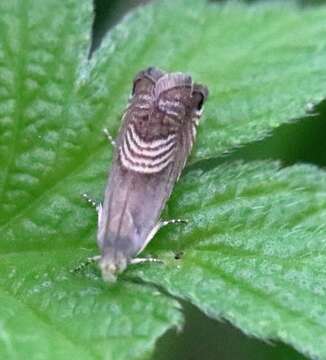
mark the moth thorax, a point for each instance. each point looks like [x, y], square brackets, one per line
[174, 110]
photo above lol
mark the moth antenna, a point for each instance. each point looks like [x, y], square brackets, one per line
[91, 201]
[83, 265]
[137, 261]
[173, 221]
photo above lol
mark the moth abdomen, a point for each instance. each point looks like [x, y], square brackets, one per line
[155, 139]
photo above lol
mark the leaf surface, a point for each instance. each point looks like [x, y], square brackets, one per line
[254, 251]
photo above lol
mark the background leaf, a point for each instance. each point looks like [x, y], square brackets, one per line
[42, 46]
[253, 251]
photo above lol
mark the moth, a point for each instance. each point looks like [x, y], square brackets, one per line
[156, 136]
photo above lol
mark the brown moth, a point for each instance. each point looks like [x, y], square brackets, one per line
[155, 139]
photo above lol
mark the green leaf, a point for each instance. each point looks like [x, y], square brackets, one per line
[48, 313]
[254, 251]
[53, 105]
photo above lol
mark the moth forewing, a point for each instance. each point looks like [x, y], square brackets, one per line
[156, 136]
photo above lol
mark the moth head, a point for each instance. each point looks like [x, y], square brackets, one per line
[111, 264]
[145, 80]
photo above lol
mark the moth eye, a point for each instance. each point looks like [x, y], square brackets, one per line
[135, 86]
[142, 85]
[199, 100]
[200, 95]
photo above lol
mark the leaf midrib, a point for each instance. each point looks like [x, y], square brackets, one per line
[37, 200]
[20, 70]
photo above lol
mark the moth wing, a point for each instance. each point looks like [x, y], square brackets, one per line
[144, 172]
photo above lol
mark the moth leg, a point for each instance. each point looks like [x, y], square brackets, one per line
[92, 202]
[157, 227]
[109, 137]
[89, 261]
[150, 236]
[136, 261]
